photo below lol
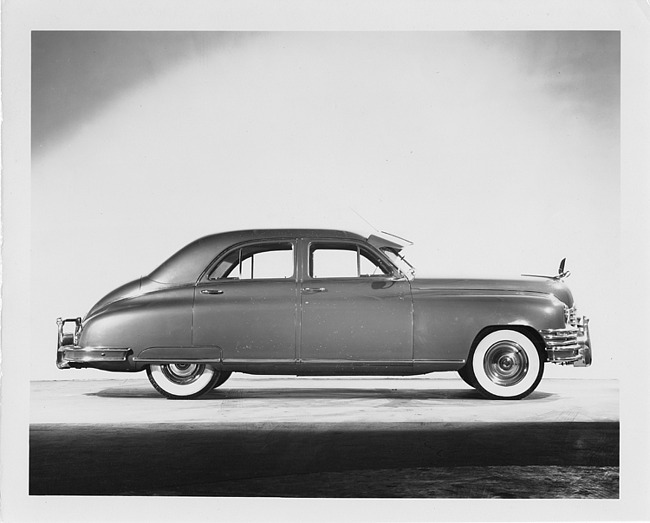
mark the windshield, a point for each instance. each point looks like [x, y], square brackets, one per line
[400, 262]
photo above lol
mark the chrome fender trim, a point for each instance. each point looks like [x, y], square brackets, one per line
[179, 355]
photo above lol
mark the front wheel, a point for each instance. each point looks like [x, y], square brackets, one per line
[183, 380]
[464, 373]
[506, 364]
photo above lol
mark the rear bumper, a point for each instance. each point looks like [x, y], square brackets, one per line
[570, 346]
[70, 356]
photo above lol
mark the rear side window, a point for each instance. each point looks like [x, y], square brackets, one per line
[344, 260]
[256, 262]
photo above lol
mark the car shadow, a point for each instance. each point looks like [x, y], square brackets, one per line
[315, 393]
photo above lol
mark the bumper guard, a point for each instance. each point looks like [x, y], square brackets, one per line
[69, 355]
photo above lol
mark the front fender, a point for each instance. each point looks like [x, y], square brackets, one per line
[446, 324]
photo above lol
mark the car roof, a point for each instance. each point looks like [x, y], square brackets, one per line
[185, 265]
[253, 234]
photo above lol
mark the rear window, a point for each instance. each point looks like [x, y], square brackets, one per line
[256, 262]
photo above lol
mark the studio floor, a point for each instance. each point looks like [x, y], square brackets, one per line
[422, 437]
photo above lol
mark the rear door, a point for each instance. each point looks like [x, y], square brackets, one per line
[247, 304]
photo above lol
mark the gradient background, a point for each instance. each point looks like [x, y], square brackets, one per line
[497, 153]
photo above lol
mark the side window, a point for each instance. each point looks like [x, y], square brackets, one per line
[344, 260]
[256, 262]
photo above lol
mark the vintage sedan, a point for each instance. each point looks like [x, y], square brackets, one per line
[323, 303]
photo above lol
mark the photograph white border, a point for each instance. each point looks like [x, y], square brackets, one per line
[20, 17]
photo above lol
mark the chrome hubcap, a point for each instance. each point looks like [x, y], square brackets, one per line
[505, 363]
[182, 373]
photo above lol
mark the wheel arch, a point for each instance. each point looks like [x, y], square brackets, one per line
[183, 381]
[528, 330]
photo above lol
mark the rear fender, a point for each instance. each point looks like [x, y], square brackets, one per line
[158, 319]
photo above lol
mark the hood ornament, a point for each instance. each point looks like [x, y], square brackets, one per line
[561, 273]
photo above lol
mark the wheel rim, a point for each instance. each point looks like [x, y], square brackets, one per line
[183, 373]
[505, 363]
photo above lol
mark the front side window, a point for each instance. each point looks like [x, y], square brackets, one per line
[344, 260]
[256, 262]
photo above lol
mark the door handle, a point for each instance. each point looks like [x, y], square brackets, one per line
[312, 290]
[211, 291]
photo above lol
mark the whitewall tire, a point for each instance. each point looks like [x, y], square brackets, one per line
[183, 380]
[466, 376]
[506, 364]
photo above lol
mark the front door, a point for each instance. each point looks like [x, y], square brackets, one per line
[355, 311]
[246, 305]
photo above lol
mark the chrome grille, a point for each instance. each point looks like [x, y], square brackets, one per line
[562, 345]
[571, 345]
[561, 339]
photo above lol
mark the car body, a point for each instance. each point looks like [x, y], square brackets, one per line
[320, 302]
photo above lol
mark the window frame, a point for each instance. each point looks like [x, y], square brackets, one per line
[360, 247]
[292, 242]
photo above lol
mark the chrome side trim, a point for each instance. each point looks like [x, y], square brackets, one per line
[187, 354]
[240, 361]
[355, 362]
[171, 361]
[439, 361]
[389, 363]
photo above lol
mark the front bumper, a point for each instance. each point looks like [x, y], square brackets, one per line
[569, 346]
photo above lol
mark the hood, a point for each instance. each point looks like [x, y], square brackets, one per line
[128, 290]
[516, 286]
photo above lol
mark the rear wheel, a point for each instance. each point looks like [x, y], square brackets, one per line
[183, 380]
[505, 364]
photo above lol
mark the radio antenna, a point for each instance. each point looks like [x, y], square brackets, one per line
[381, 232]
[371, 225]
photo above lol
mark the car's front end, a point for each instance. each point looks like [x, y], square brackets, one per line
[570, 345]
